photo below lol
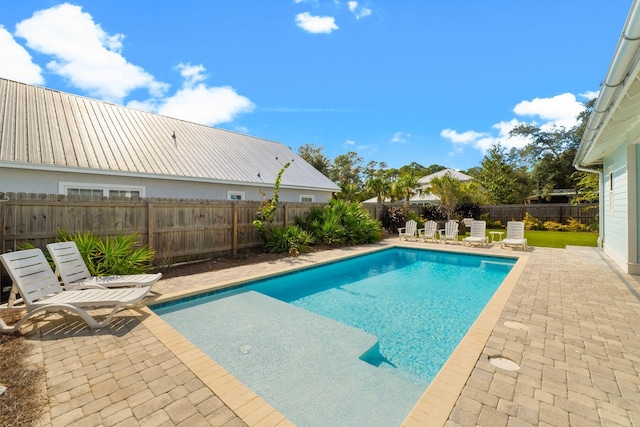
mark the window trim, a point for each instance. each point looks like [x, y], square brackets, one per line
[303, 196]
[235, 193]
[64, 186]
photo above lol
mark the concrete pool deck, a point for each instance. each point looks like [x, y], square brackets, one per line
[571, 322]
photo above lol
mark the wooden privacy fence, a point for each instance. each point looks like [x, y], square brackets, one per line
[179, 230]
[584, 213]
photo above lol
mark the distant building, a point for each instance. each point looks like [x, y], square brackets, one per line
[422, 196]
[557, 195]
[55, 142]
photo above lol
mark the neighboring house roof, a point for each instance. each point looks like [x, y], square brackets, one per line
[44, 128]
[427, 198]
[616, 114]
[451, 172]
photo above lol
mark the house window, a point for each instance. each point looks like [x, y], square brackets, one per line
[235, 195]
[100, 190]
[306, 198]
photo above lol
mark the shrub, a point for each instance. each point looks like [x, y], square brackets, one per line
[392, 218]
[490, 223]
[554, 226]
[432, 212]
[113, 255]
[531, 223]
[469, 210]
[575, 225]
[292, 240]
[341, 223]
[411, 215]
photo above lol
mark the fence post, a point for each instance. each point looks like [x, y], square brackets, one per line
[286, 216]
[150, 225]
[234, 229]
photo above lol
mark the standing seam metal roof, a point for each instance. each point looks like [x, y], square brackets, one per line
[40, 126]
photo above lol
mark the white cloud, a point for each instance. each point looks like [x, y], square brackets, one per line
[561, 110]
[15, 61]
[460, 138]
[316, 24]
[558, 111]
[349, 142]
[400, 137]
[85, 54]
[192, 74]
[197, 102]
[590, 94]
[359, 13]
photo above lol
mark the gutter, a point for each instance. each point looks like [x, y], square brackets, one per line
[626, 55]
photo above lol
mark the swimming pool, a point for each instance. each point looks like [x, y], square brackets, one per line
[417, 303]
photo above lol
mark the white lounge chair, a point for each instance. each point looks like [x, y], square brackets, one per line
[73, 271]
[450, 232]
[409, 230]
[515, 236]
[41, 292]
[477, 235]
[428, 232]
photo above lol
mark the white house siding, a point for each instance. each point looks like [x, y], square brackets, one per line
[634, 227]
[616, 206]
[48, 182]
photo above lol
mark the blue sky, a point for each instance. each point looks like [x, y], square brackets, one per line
[430, 81]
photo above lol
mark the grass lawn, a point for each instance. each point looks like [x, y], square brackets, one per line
[552, 239]
[560, 239]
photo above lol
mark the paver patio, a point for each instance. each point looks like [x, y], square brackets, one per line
[572, 323]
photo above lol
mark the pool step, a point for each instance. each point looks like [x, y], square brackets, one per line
[314, 370]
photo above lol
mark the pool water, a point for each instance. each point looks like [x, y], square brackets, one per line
[418, 304]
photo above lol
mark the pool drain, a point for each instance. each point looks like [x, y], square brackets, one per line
[503, 363]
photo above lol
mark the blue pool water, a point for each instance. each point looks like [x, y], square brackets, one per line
[418, 304]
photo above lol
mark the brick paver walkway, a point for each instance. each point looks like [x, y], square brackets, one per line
[572, 325]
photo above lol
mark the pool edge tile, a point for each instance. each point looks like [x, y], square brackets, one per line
[436, 403]
[231, 391]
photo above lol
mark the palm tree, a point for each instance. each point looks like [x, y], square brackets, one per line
[406, 187]
[379, 186]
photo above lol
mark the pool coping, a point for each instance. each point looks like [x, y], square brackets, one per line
[433, 407]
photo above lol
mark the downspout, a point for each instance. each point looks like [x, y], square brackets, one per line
[600, 201]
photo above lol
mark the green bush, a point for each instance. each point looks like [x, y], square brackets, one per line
[292, 240]
[531, 223]
[575, 225]
[490, 224]
[113, 255]
[392, 218]
[554, 226]
[341, 223]
[432, 212]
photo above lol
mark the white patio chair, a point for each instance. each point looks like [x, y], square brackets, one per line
[409, 231]
[41, 292]
[477, 235]
[450, 232]
[515, 236]
[73, 271]
[428, 232]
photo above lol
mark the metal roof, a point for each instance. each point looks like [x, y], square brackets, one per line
[451, 172]
[44, 128]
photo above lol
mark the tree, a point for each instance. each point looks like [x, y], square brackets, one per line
[346, 172]
[501, 179]
[450, 191]
[405, 187]
[550, 153]
[313, 155]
